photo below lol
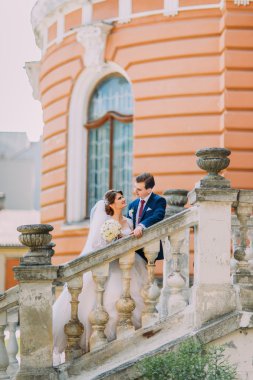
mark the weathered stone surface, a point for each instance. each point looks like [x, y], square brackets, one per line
[38, 239]
[213, 160]
[176, 200]
[212, 301]
[212, 195]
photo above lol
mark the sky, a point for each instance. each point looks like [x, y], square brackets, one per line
[19, 111]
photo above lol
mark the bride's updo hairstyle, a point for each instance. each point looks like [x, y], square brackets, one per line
[109, 198]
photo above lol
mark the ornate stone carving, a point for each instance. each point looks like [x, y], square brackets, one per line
[93, 38]
[151, 291]
[38, 239]
[74, 328]
[33, 71]
[99, 317]
[176, 200]
[125, 305]
[213, 160]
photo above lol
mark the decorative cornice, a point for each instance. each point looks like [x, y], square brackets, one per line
[93, 38]
[33, 71]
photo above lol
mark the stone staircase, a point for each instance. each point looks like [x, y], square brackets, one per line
[218, 307]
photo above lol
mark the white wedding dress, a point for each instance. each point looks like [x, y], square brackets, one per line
[87, 298]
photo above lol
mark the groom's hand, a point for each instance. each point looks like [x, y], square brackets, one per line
[138, 232]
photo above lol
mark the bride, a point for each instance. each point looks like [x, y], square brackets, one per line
[110, 208]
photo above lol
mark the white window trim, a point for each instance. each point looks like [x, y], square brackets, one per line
[77, 139]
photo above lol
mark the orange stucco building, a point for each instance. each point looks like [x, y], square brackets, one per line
[190, 67]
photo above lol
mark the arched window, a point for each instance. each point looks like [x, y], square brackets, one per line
[110, 139]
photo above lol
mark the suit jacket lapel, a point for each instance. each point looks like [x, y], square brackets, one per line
[135, 211]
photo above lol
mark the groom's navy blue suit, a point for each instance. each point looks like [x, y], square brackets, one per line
[153, 212]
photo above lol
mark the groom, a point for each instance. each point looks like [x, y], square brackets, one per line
[147, 209]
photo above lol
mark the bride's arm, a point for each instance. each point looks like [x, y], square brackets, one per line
[130, 223]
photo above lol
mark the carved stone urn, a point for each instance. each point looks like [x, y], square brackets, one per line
[176, 200]
[213, 160]
[38, 239]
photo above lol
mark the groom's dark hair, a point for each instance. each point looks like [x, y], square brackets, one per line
[147, 178]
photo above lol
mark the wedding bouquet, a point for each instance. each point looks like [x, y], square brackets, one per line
[110, 230]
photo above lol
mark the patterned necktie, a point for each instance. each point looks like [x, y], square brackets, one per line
[141, 210]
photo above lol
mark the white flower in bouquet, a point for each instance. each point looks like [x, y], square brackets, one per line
[110, 230]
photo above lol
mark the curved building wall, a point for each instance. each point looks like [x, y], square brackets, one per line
[192, 84]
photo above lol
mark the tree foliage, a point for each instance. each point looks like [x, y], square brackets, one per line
[192, 361]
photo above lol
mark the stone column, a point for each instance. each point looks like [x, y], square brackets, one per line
[212, 293]
[243, 276]
[36, 275]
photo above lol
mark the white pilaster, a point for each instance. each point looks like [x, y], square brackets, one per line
[171, 7]
[125, 11]
[60, 26]
[87, 12]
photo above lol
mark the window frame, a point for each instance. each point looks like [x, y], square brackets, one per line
[94, 124]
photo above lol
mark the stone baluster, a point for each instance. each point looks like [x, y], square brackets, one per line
[74, 328]
[243, 212]
[167, 265]
[4, 360]
[125, 305]
[213, 197]
[176, 281]
[36, 276]
[176, 201]
[235, 234]
[151, 291]
[250, 247]
[12, 347]
[243, 277]
[99, 317]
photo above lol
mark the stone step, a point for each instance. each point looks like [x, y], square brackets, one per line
[118, 360]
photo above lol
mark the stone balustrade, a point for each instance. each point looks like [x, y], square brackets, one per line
[9, 318]
[210, 219]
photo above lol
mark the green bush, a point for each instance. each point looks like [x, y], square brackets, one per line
[191, 361]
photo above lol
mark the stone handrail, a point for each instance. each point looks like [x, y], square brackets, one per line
[9, 298]
[163, 229]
